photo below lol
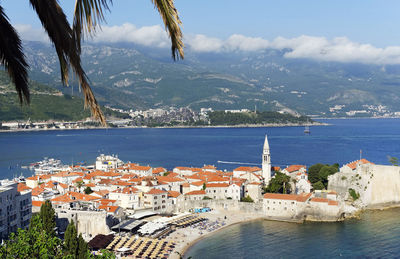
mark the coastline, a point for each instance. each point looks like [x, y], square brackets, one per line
[191, 240]
[268, 125]
[187, 238]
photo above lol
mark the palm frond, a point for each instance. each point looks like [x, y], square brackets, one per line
[171, 20]
[88, 15]
[12, 57]
[59, 31]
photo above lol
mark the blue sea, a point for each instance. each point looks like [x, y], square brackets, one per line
[340, 142]
[376, 235]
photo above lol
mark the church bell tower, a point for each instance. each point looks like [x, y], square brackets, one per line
[266, 162]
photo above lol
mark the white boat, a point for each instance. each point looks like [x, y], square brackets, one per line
[307, 130]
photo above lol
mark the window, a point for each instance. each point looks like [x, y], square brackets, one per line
[285, 208]
[155, 197]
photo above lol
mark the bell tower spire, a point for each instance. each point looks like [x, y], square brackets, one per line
[266, 162]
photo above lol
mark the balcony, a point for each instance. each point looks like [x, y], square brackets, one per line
[26, 217]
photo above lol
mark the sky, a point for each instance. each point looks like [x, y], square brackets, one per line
[365, 31]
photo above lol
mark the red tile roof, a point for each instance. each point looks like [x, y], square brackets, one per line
[317, 199]
[37, 190]
[112, 209]
[127, 190]
[155, 191]
[199, 183]
[174, 194]
[333, 203]
[353, 165]
[294, 168]
[159, 170]
[199, 192]
[248, 169]
[216, 185]
[293, 197]
[279, 196]
[37, 203]
[22, 187]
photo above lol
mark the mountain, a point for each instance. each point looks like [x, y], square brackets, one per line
[46, 104]
[133, 77]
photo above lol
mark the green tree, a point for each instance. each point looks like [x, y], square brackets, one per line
[313, 173]
[279, 183]
[393, 160]
[318, 186]
[83, 248]
[88, 190]
[204, 186]
[71, 240]
[34, 242]
[48, 218]
[79, 185]
[326, 171]
[66, 40]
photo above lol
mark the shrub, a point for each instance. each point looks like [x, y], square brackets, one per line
[207, 198]
[355, 195]
[343, 178]
[246, 199]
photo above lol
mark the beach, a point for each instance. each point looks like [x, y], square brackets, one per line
[186, 237]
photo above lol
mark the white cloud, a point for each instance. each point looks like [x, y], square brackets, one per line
[154, 36]
[27, 32]
[236, 42]
[202, 43]
[339, 49]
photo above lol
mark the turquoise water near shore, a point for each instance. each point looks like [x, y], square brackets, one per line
[375, 235]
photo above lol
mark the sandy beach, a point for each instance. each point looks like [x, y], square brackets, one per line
[186, 237]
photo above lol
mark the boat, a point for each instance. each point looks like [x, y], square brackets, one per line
[307, 130]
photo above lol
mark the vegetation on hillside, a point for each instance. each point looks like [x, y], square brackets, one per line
[47, 104]
[241, 118]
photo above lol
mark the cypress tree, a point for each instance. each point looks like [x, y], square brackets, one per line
[82, 248]
[71, 239]
[48, 217]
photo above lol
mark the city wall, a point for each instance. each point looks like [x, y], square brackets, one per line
[378, 185]
[88, 223]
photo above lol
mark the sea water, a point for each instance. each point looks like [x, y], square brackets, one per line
[377, 234]
[341, 142]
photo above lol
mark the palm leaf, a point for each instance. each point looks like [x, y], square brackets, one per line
[87, 16]
[171, 20]
[59, 31]
[12, 57]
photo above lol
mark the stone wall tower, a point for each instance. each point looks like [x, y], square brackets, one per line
[266, 162]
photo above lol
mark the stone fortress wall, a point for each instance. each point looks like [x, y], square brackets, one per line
[378, 185]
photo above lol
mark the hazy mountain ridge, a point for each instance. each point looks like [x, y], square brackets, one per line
[126, 76]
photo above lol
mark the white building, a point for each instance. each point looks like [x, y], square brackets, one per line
[15, 208]
[107, 162]
[156, 199]
[127, 198]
